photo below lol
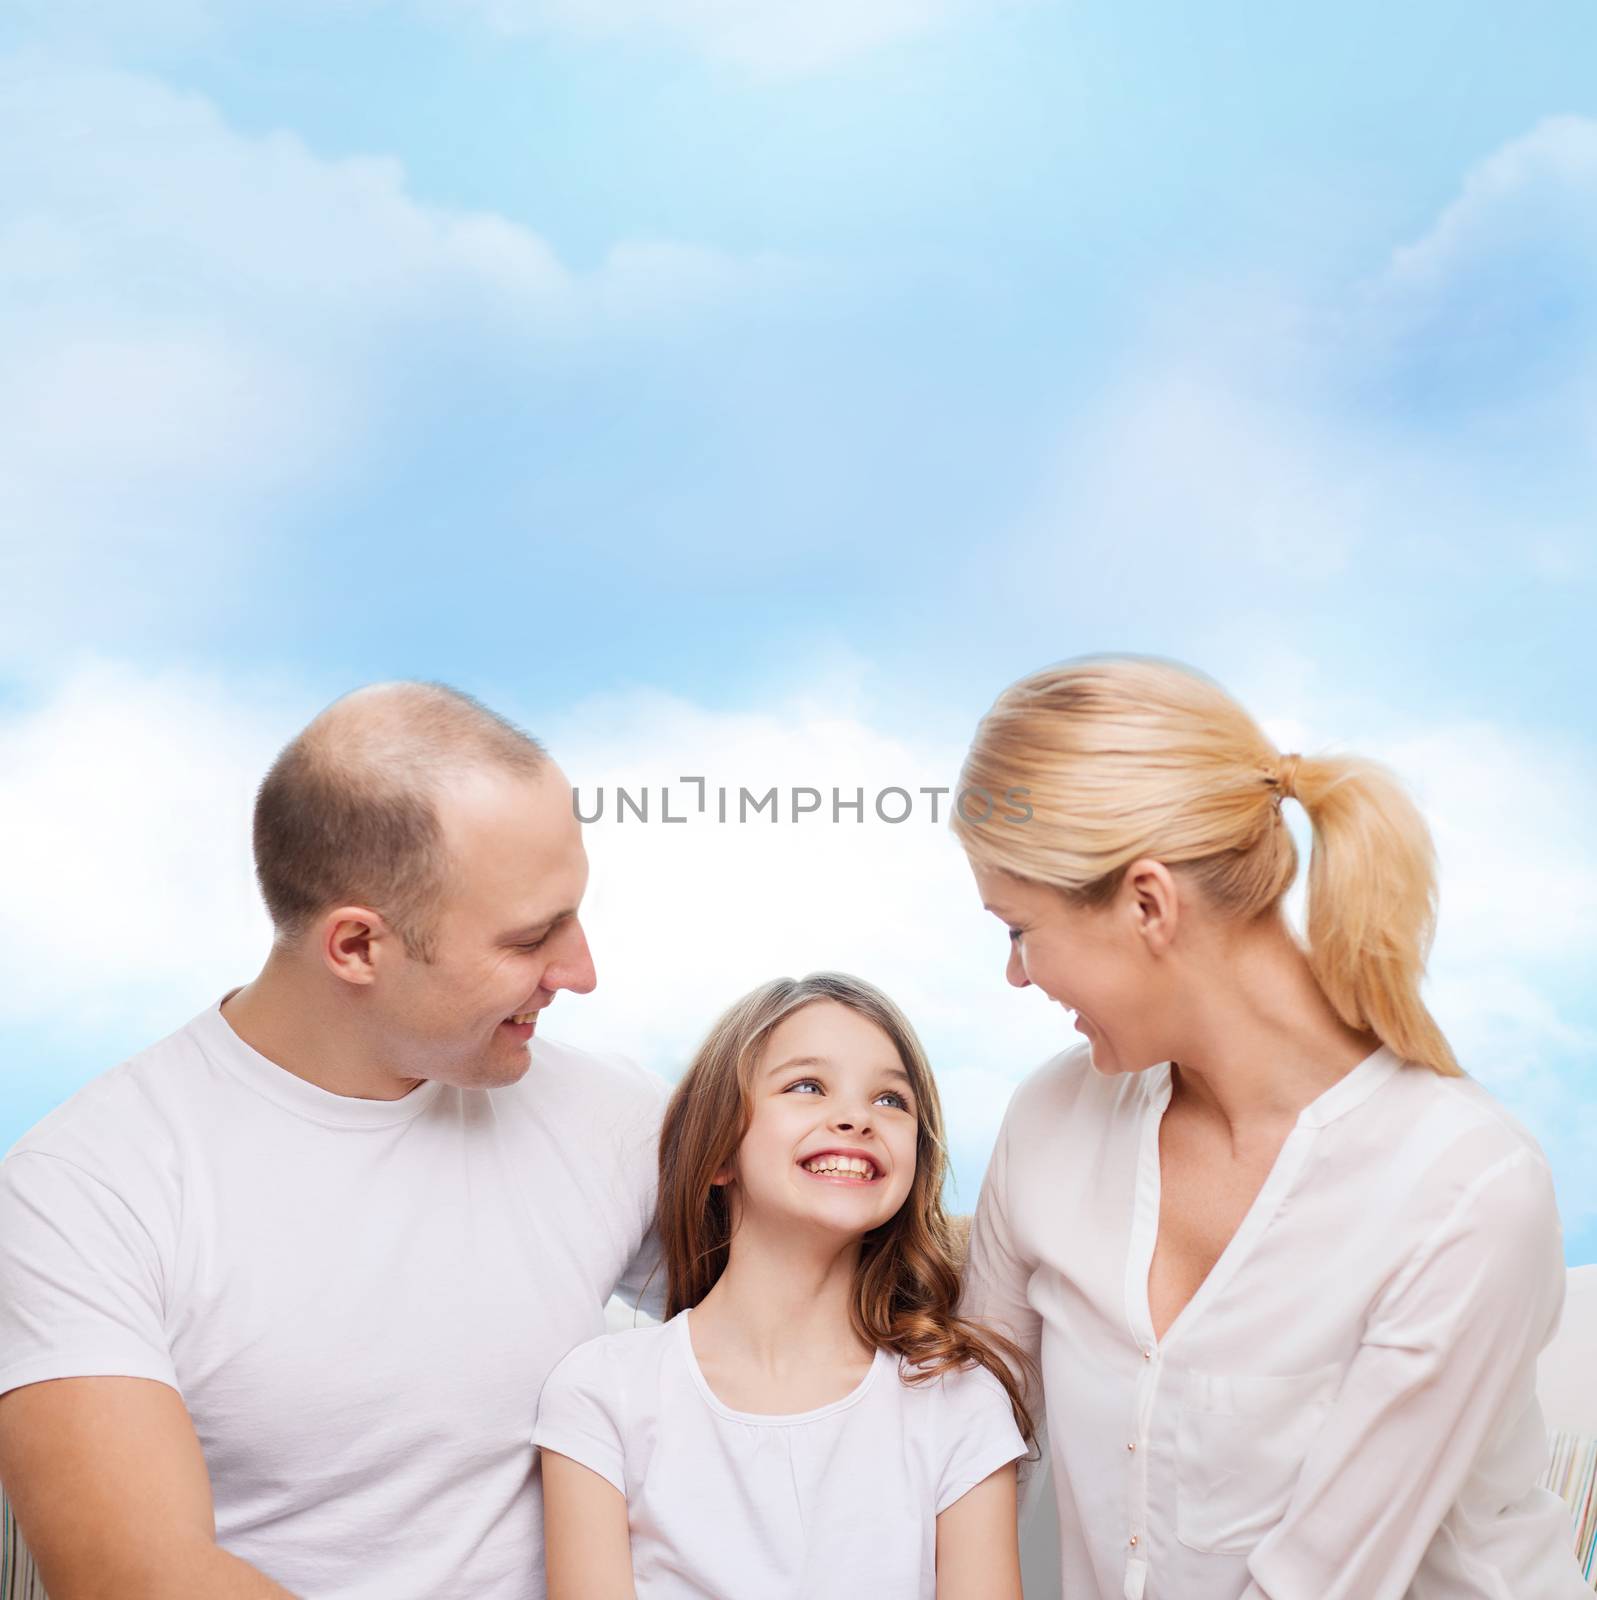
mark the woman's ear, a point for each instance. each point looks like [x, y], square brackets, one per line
[723, 1175]
[1151, 893]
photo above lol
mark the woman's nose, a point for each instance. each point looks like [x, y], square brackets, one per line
[1016, 969]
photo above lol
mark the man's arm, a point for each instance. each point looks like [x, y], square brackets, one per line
[110, 1490]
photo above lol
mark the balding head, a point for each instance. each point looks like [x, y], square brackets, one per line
[348, 812]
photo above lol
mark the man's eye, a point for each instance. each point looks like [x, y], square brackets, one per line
[537, 944]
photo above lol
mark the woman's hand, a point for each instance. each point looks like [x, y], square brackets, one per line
[587, 1548]
[978, 1545]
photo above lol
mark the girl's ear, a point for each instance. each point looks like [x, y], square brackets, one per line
[723, 1175]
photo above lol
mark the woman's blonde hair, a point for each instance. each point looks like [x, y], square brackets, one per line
[906, 1283]
[1122, 757]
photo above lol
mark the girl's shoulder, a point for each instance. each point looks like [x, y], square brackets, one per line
[612, 1361]
[965, 1389]
[964, 1422]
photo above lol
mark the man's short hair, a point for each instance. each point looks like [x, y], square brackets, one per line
[348, 814]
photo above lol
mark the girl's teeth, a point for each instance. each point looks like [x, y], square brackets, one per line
[852, 1166]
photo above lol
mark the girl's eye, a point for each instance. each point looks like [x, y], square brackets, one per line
[887, 1094]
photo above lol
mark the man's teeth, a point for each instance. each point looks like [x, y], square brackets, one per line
[525, 1017]
[856, 1164]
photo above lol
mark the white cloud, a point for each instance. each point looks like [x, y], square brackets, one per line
[200, 322]
[125, 802]
[1491, 314]
[1189, 456]
[122, 191]
[1538, 190]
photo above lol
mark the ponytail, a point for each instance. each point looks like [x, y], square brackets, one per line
[1371, 903]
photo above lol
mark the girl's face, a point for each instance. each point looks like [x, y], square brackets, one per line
[832, 1137]
[1093, 962]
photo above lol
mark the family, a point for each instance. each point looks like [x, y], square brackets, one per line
[308, 1298]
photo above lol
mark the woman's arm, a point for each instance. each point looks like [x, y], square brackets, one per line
[996, 1271]
[1448, 1354]
[587, 1549]
[978, 1553]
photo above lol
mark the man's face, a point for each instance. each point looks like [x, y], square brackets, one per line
[507, 938]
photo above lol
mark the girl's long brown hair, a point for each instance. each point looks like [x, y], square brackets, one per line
[906, 1284]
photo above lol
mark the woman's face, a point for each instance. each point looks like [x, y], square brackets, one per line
[832, 1137]
[1095, 963]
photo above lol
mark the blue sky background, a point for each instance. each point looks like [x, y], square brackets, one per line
[718, 381]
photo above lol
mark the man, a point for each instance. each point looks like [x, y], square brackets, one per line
[278, 1295]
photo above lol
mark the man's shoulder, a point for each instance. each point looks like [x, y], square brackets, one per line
[120, 1115]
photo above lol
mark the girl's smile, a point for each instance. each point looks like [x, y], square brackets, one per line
[843, 1166]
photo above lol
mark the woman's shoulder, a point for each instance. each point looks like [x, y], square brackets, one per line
[1456, 1160]
[1068, 1087]
[1457, 1122]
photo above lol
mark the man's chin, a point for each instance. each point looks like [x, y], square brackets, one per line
[509, 1067]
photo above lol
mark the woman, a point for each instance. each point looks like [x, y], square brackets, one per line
[1287, 1269]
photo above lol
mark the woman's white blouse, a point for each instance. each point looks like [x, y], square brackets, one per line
[1346, 1408]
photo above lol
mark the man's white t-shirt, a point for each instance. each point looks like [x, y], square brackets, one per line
[358, 1300]
[730, 1505]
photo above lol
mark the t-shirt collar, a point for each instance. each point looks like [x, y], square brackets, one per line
[225, 1049]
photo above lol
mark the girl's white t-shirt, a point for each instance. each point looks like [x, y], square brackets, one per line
[725, 1505]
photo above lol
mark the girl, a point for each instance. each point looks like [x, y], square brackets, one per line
[1294, 1350]
[813, 1417]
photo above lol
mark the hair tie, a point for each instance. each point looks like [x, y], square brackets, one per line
[1286, 777]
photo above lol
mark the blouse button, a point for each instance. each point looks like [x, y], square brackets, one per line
[1133, 1541]
[1132, 1445]
[1147, 1355]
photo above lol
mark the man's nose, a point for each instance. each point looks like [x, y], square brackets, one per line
[573, 968]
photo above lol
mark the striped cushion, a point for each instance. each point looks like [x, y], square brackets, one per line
[19, 1579]
[1572, 1474]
